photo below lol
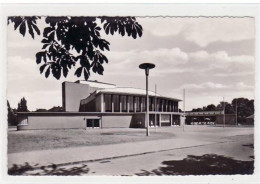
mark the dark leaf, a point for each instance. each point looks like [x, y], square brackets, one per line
[22, 28]
[30, 30]
[56, 70]
[47, 73]
[100, 69]
[45, 41]
[86, 74]
[78, 72]
[17, 21]
[39, 57]
[65, 71]
[42, 68]
[44, 46]
[51, 36]
[47, 30]
[36, 29]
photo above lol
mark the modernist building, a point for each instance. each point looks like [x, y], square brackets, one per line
[92, 104]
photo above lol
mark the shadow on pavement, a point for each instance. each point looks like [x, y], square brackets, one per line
[249, 145]
[35, 170]
[208, 164]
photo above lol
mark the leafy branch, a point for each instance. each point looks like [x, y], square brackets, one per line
[63, 35]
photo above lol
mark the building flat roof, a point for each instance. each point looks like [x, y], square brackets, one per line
[96, 84]
[133, 91]
[203, 113]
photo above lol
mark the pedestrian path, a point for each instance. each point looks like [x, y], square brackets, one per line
[92, 153]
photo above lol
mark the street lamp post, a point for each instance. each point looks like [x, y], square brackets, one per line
[146, 67]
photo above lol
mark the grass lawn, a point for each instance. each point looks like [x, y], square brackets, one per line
[30, 140]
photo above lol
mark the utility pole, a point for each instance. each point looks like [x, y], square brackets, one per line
[183, 109]
[236, 113]
[155, 108]
[224, 112]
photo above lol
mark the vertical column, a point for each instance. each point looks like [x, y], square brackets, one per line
[160, 119]
[135, 103]
[102, 103]
[171, 119]
[120, 104]
[100, 122]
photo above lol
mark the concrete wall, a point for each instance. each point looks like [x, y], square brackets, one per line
[54, 122]
[64, 121]
[72, 93]
[32, 121]
[123, 121]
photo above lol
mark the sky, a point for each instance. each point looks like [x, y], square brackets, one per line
[210, 58]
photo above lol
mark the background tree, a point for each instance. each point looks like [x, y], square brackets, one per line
[56, 109]
[245, 108]
[11, 116]
[22, 106]
[41, 110]
[211, 107]
[71, 40]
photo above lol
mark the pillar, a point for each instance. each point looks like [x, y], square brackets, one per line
[160, 124]
[102, 103]
[112, 101]
[134, 104]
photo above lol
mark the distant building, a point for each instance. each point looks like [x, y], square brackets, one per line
[92, 104]
[209, 118]
[250, 120]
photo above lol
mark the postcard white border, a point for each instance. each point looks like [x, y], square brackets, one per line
[124, 10]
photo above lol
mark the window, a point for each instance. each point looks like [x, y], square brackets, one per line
[92, 123]
[170, 106]
[116, 103]
[165, 118]
[123, 103]
[143, 104]
[156, 104]
[108, 103]
[151, 104]
[165, 105]
[131, 103]
[160, 105]
[137, 103]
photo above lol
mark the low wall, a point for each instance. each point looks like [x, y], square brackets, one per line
[33, 121]
[53, 122]
[117, 121]
[70, 120]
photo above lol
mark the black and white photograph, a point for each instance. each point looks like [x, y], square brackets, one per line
[130, 95]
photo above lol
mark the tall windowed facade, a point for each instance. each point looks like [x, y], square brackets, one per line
[131, 103]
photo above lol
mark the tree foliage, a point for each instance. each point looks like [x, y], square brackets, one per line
[22, 106]
[11, 116]
[65, 36]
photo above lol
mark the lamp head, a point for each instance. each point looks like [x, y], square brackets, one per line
[146, 67]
